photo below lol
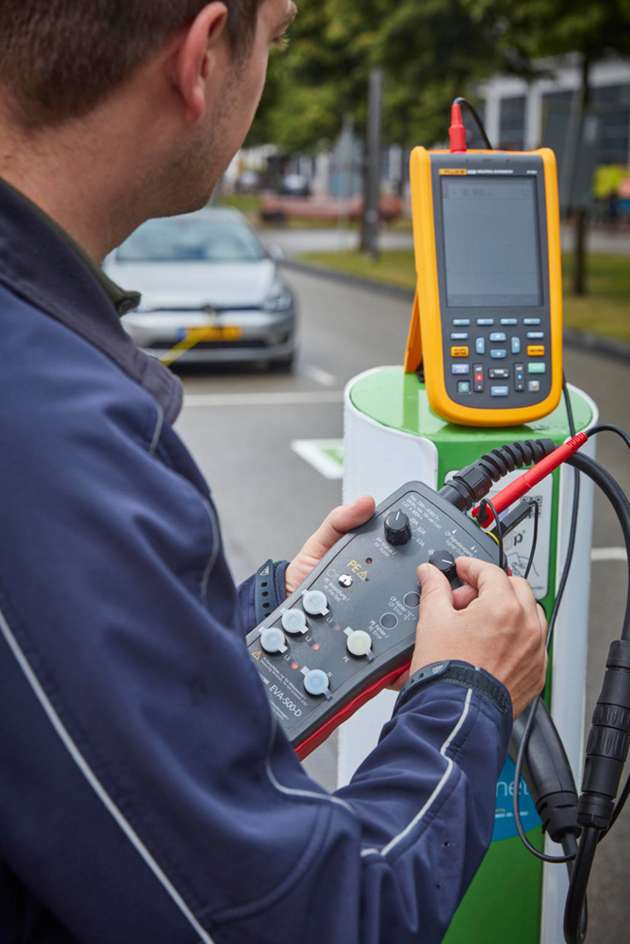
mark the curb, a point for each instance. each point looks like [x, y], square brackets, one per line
[577, 340]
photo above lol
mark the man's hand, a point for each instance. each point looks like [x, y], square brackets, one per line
[339, 522]
[493, 622]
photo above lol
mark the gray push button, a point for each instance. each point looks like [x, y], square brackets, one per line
[294, 622]
[499, 391]
[315, 603]
[498, 336]
[498, 353]
[359, 643]
[272, 640]
[316, 682]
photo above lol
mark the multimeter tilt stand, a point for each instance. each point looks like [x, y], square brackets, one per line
[487, 318]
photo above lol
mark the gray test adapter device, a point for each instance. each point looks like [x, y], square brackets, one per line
[350, 628]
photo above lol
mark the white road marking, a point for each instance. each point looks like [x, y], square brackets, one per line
[318, 375]
[313, 452]
[291, 398]
[608, 554]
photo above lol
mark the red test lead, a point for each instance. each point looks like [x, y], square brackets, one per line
[457, 131]
[524, 483]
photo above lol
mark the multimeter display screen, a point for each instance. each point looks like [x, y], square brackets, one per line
[492, 242]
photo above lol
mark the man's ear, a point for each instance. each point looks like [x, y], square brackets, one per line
[192, 58]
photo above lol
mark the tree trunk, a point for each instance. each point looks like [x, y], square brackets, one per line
[372, 167]
[580, 280]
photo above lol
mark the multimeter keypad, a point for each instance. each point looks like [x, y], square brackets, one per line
[477, 365]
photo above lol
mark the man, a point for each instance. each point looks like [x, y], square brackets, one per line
[145, 793]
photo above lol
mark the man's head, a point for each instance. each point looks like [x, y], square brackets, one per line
[175, 83]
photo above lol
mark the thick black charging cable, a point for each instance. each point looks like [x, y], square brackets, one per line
[609, 740]
[532, 710]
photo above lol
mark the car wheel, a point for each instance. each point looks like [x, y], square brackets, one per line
[284, 365]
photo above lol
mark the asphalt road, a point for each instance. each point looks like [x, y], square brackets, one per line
[240, 425]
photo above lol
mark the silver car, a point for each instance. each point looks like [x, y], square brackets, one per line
[210, 291]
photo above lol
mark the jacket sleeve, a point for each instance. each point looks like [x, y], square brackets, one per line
[247, 596]
[150, 795]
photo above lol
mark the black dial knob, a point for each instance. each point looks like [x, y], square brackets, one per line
[445, 562]
[397, 528]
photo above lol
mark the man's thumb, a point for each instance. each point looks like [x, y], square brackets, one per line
[436, 590]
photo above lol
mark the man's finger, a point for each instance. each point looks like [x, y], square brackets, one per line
[436, 590]
[527, 600]
[484, 577]
[463, 597]
[340, 520]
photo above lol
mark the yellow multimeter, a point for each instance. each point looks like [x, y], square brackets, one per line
[487, 319]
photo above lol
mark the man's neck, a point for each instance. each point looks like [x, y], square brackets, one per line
[81, 188]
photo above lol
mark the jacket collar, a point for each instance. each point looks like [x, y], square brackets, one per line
[42, 264]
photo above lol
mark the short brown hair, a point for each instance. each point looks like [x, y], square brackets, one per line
[61, 58]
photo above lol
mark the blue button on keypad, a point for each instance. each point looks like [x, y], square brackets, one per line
[485, 322]
[460, 370]
[498, 353]
[509, 321]
[461, 322]
[480, 345]
[516, 345]
[498, 336]
[535, 335]
[499, 391]
[531, 321]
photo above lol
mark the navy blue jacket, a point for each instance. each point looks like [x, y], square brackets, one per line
[145, 793]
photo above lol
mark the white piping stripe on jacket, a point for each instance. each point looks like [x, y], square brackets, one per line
[158, 430]
[427, 806]
[96, 785]
[292, 791]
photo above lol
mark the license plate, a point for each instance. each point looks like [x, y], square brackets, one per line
[213, 333]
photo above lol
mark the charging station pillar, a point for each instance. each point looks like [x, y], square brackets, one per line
[392, 437]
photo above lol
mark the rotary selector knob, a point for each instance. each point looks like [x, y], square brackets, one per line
[397, 528]
[445, 562]
[359, 643]
[294, 622]
[315, 603]
[316, 682]
[273, 641]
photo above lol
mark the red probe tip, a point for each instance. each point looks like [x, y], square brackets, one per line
[457, 131]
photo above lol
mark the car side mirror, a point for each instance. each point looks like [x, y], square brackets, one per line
[276, 252]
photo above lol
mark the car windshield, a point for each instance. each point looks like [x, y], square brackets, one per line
[191, 240]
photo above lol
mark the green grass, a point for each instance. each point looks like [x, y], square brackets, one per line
[248, 203]
[605, 311]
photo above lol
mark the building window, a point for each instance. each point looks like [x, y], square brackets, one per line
[512, 123]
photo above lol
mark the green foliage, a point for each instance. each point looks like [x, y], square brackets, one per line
[430, 51]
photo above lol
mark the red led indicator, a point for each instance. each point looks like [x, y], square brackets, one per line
[295, 666]
[315, 647]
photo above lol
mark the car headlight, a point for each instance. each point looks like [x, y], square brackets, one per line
[279, 298]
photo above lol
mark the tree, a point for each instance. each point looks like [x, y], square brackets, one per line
[533, 29]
